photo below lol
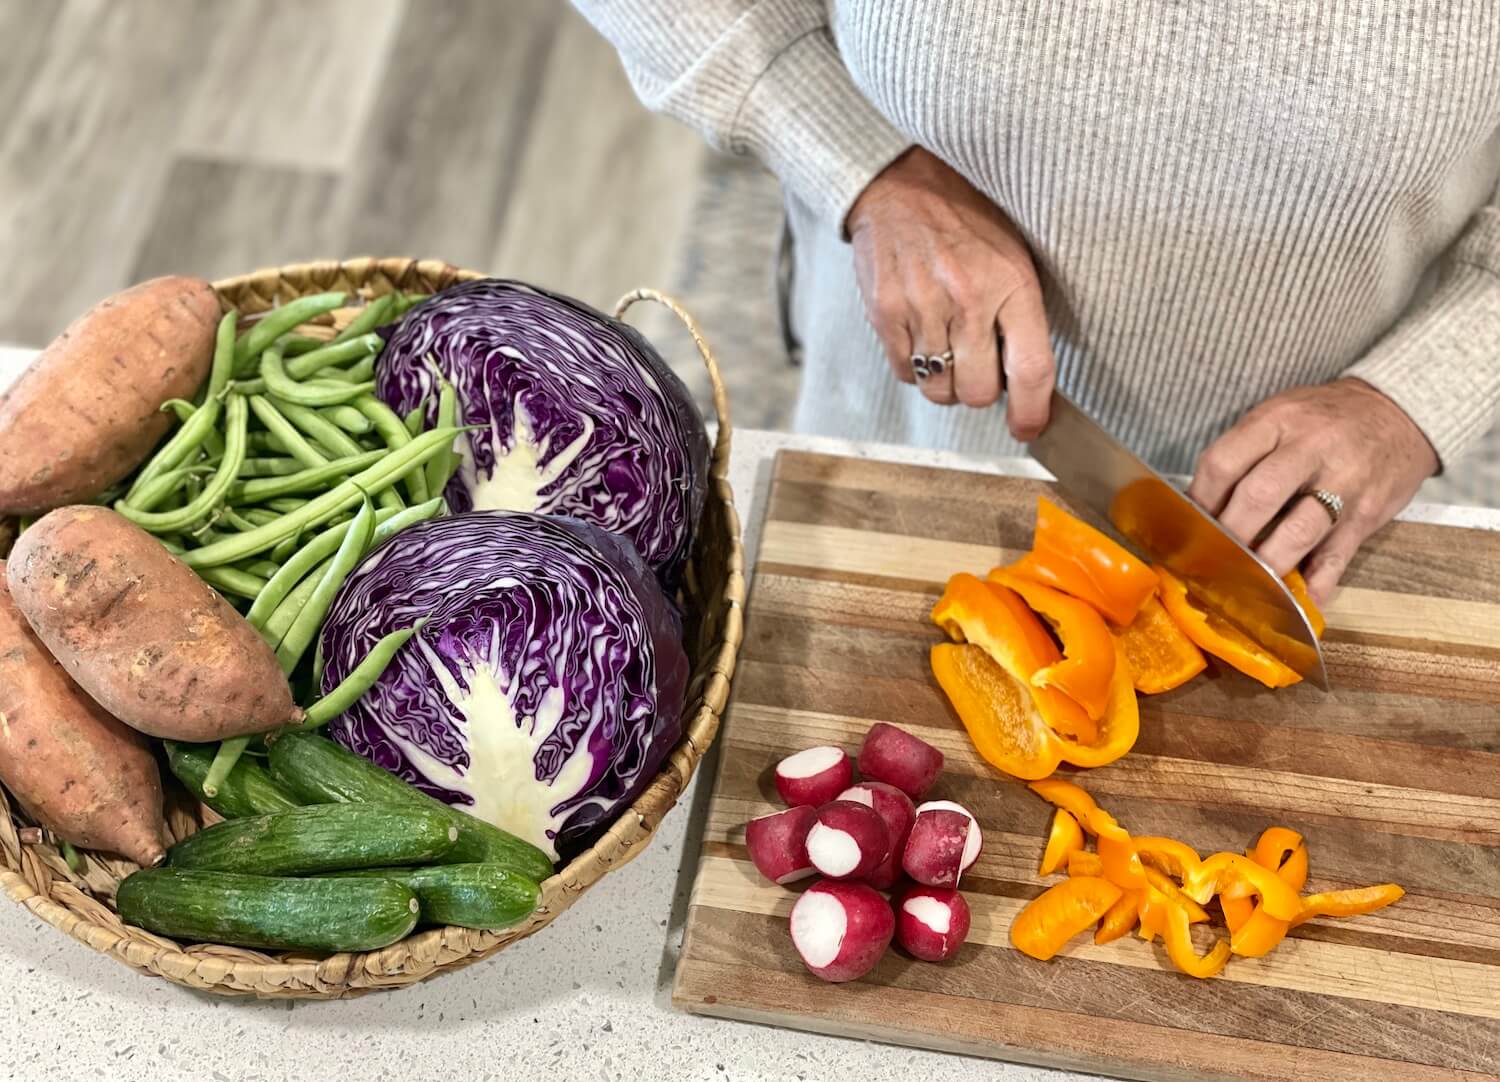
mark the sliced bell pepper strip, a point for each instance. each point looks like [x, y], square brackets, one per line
[1061, 912]
[1169, 855]
[1121, 917]
[1069, 555]
[1222, 640]
[997, 711]
[1221, 869]
[1065, 837]
[1253, 931]
[1163, 884]
[1348, 903]
[1088, 661]
[1180, 949]
[1257, 936]
[1119, 728]
[1298, 586]
[1161, 657]
[1274, 846]
[1073, 800]
[1122, 864]
[998, 621]
[1082, 862]
[1236, 911]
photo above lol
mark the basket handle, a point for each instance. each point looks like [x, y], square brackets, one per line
[715, 379]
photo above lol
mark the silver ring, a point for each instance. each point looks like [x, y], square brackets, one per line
[925, 365]
[1330, 501]
[920, 367]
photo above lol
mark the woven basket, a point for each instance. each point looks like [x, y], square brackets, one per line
[34, 873]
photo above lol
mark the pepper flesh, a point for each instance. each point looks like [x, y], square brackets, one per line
[1060, 913]
[1122, 864]
[1298, 586]
[1221, 869]
[1065, 837]
[1160, 655]
[1074, 800]
[1180, 945]
[1222, 640]
[1118, 730]
[1120, 919]
[1169, 855]
[1088, 662]
[1348, 903]
[997, 711]
[1069, 555]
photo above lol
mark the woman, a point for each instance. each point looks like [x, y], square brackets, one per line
[1258, 241]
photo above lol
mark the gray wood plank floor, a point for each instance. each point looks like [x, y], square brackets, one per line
[212, 137]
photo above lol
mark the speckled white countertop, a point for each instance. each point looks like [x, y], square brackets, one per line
[587, 998]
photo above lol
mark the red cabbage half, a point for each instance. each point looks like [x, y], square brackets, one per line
[580, 415]
[544, 690]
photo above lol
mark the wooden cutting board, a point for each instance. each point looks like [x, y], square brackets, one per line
[1393, 776]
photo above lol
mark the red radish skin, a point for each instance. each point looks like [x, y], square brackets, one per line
[898, 813]
[897, 758]
[814, 776]
[848, 841]
[932, 923]
[944, 841]
[841, 930]
[778, 844]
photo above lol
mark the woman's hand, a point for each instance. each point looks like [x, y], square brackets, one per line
[1344, 437]
[942, 268]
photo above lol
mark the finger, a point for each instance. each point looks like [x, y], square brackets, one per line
[929, 333]
[1265, 490]
[1331, 559]
[976, 352]
[1026, 360]
[896, 338]
[1228, 459]
[1297, 534]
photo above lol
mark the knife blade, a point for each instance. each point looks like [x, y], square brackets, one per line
[1167, 528]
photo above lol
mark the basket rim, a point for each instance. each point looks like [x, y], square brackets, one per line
[234, 971]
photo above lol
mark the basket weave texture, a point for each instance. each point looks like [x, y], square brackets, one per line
[34, 873]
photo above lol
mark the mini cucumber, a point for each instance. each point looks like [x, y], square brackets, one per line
[319, 771]
[322, 838]
[248, 790]
[465, 895]
[263, 911]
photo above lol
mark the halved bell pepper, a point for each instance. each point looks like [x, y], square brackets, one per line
[997, 710]
[1222, 869]
[1060, 913]
[1222, 640]
[1088, 661]
[1161, 657]
[1348, 903]
[1121, 917]
[1065, 837]
[1069, 555]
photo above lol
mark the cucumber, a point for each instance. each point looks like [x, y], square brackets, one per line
[323, 838]
[318, 771]
[465, 895]
[262, 911]
[248, 790]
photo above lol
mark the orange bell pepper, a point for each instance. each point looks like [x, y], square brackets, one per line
[1160, 656]
[1119, 728]
[1069, 555]
[1065, 837]
[1222, 640]
[1236, 911]
[1073, 800]
[1174, 929]
[1122, 864]
[1060, 913]
[1121, 917]
[998, 621]
[1088, 661]
[1164, 885]
[1298, 586]
[1082, 862]
[1274, 847]
[1257, 936]
[1169, 855]
[1348, 903]
[1221, 869]
[1253, 931]
[998, 712]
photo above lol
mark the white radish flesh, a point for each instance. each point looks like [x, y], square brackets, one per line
[814, 776]
[896, 757]
[841, 929]
[932, 923]
[778, 844]
[848, 840]
[898, 813]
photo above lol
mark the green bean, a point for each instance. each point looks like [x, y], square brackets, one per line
[213, 493]
[224, 759]
[441, 469]
[285, 429]
[154, 492]
[278, 322]
[297, 344]
[285, 504]
[393, 430]
[229, 580]
[351, 687]
[342, 353]
[263, 568]
[265, 488]
[360, 372]
[348, 418]
[371, 316]
[329, 435]
[73, 858]
[276, 624]
[315, 392]
[408, 301]
[266, 443]
[197, 428]
[235, 519]
[317, 672]
[259, 515]
[350, 551]
[296, 567]
[415, 419]
[277, 466]
[285, 549]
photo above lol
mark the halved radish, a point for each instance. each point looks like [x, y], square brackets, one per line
[932, 923]
[898, 813]
[841, 929]
[814, 776]
[848, 840]
[944, 841]
[778, 843]
[897, 758]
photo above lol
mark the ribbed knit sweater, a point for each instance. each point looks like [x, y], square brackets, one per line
[1224, 200]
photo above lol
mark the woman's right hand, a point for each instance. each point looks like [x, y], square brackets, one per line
[941, 267]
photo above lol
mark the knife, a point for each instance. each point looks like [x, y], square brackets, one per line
[1169, 529]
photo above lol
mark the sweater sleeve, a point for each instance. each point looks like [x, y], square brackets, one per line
[759, 77]
[1441, 362]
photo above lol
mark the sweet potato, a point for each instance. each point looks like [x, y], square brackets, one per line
[141, 633]
[76, 770]
[87, 410]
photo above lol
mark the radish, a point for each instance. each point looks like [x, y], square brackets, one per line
[841, 929]
[814, 776]
[896, 757]
[944, 841]
[778, 844]
[848, 841]
[932, 923]
[898, 813]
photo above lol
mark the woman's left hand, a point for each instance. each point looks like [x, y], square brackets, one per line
[1343, 437]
